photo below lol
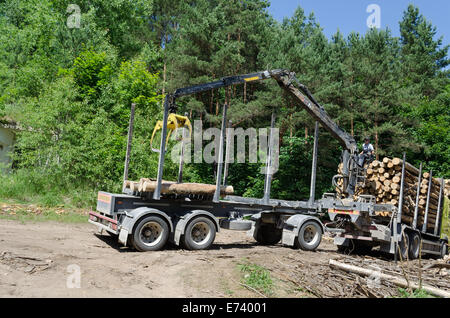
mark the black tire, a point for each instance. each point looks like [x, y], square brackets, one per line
[309, 236]
[150, 234]
[268, 234]
[362, 249]
[355, 247]
[403, 247]
[444, 250]
[344, 249]
[199, 233]
[414, 245]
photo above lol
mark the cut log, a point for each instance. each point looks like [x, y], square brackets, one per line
[409, 167]
[170, 187]
[389, 278]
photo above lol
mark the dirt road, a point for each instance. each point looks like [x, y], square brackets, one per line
[38, 260]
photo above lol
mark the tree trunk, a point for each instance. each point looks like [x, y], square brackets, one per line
[245, 92]
[306, 134]
[377, 156]
[351, 126]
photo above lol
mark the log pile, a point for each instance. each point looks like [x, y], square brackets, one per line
[145, 185]
[383, 180]
[447, 188]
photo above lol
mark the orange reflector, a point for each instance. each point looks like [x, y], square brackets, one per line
[104, 197]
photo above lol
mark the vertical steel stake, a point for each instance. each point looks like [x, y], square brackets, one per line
[268, 178]
[229, 143]
[129, 140]
[398, 219]
[416, 208]
[312, 190]
[425, 219]
[438, 216]
[220, 156]
[162, 151]
[180, 169]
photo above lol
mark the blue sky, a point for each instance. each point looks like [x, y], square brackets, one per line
[351, 15]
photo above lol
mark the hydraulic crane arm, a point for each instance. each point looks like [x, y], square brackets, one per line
[286, 80]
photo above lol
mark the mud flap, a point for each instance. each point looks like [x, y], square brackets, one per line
[123, 236]
[289, 235]
[252, 232]
[179, 231]
[341, 241]
[292, 227]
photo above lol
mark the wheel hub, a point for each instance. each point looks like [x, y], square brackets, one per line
[310, 234]
[151, 233]
[200, 232]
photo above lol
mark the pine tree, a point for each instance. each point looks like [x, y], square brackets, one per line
[423, 57]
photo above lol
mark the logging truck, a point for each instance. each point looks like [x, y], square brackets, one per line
[152, 212]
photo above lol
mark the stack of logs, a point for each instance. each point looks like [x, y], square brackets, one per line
[447, 188]
[384, 181]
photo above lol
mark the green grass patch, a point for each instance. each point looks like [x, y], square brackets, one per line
[31, 187]
[33, 213]
[257, 277]
[418, 293]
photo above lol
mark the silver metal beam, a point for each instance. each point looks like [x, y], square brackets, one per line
[312, 190]
[227, 152]
[398, 218]
[416, 207]
[438, 216]
[425, 219]
[220, 155]
[268, 178]
[129, 140]
[162, 151]
[402, 187]
[180, 169]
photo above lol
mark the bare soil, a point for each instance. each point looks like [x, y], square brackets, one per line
[35, 259]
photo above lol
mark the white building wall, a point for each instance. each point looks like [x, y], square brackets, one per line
[7, 137]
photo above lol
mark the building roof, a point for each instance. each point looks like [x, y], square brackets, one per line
[8, 123]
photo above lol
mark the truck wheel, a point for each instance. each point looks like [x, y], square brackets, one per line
[199, 234]
[362, 249]
[268, 234]
[414, 245]
[403, 247]
[355, 247]
[309, 236]
[443, 249]
[343, 249]
[151, 234]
